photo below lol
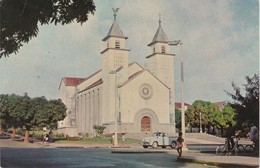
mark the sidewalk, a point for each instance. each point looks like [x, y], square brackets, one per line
[222, 161]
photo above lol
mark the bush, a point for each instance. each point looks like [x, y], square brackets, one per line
[99, 129]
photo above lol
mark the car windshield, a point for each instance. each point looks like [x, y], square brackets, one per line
[157, 134]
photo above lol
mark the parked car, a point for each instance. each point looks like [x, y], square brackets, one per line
[160, 139]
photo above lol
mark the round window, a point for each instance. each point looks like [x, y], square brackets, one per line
[146, 91]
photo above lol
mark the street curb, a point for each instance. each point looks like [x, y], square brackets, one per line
[137, 151]
[192, 160]
[104, 147]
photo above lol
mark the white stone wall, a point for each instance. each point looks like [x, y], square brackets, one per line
[89, 111]
[132, 102]
[67, 96]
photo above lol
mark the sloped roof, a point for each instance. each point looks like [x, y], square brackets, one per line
[159, 36]
[135, 75]
[96, 83]
[72, 81]
[115, 31]
[178, 105]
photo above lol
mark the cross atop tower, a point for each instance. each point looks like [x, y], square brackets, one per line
[115, 11]
[160, 20]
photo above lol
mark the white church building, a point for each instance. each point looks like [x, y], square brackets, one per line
[141, 99]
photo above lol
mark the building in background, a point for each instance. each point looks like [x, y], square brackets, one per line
[142, 98]
[178, 106]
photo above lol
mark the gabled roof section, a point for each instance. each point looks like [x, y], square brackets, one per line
[98, 82]
[159, 36]
[72, 81]
[115, 31]
[135, 75]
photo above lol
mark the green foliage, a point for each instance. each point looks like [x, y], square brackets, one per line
[224, 117]
[178, 118]
[99, 129]
[20, 19]
[205, 109]
[97, 140]
[247, 104]
[22, 111]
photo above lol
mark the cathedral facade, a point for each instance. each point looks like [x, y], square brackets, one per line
[122, 95]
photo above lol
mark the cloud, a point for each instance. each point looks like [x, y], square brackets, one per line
[220, 46]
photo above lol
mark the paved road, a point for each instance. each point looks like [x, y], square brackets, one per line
[89, 157]
[19, 154]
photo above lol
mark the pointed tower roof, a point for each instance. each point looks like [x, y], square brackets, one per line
[159, 36]
[115, 30]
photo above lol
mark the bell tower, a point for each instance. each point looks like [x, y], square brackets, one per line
[161, 64]
[114, 57]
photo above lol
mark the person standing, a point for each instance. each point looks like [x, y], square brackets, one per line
[254, 136]
[123, 138]
[113, 139]
[180, 141]
[45, 137]
[50, 136]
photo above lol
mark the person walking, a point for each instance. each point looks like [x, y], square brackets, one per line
[180, 141]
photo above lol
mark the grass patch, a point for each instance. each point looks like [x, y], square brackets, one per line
[97, 140]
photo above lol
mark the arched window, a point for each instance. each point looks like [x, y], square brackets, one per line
[163, 49]
[117, 44]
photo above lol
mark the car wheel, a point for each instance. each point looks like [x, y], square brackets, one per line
[155, 144]
[163, 147]
[145, 146]
[173, 144]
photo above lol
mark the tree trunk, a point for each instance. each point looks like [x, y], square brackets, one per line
[221, 132]
[26, 136]
[13, 133]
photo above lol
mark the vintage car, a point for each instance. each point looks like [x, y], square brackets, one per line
[160, 139]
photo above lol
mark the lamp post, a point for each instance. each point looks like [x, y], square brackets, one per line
[200, 124]
[116, 101]
[175, 43]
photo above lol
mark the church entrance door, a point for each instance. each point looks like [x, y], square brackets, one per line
[145, 124]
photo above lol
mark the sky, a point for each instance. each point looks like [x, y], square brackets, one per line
[220, 46]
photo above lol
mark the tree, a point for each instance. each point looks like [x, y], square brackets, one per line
[20, 19]
[56, 111]
[224, 117]
[24, 112]
[25, 115]
[99, 129]
[48, 112]
[14, 119]
[4, 111]
[178, 118]
[246, 102]
[201, 109]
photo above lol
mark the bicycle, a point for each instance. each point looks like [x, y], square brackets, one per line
[250, 148]
[237, 148]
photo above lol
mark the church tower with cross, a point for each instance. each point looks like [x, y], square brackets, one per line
[114, 58]
[160, 62]
[122, 95]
